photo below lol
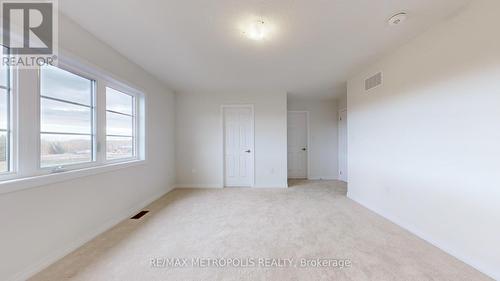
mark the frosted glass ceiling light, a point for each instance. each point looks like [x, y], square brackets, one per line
[257, 30]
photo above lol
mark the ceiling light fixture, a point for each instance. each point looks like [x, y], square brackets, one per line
[398, 19]
[257, 30]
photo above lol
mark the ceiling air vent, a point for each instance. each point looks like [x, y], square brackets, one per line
[373, 82]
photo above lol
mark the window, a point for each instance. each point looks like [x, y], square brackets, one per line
[66, 118]
[5, 124]
[120, 125]
[72, 118]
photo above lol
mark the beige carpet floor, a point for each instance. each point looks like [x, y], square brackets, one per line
[308, 221]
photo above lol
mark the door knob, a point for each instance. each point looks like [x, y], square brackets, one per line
[304, 149]
[248, 151]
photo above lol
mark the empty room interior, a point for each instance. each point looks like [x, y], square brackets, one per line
[250, 140]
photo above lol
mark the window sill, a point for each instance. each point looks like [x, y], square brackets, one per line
[18, 184]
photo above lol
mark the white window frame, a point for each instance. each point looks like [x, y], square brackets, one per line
[135, 130]
[67, 167]
[12, 126]
[26, 171]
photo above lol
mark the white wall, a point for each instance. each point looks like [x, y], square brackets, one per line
[199, 138]
[424, 148]
[323, 135]
[342, 102]
[41, 224]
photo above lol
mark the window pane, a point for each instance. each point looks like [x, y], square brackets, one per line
[3, 152]
[118, 124]
[61, 84]
[3, 69]
[3, 76]
[119, 102]
[61, 117]
[120, 119]
[65, 149]
[3, 109]
[119, 147]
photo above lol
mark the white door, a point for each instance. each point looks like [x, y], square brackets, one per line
[343, 145]
[238, 146]
[297, 145]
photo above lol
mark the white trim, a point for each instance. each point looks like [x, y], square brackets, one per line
[46, 179]
[329, 178]
[308, 140]
[13, 92]
[222, 107]
[339, 114]
[199, 186]
[51, 258]
[100, 130]
[271, 186]
[219, 186]
[12, 126]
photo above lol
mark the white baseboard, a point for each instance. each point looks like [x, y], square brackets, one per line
[217, 186]
[270, 186]
[80, 241]
[198, 186]
[493, 273]
[323, 178]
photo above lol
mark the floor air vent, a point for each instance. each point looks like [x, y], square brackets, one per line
[139, 215]
[373, 82]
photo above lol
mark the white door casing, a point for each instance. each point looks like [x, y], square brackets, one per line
[343, 145]
[238, 138]
[298, 144]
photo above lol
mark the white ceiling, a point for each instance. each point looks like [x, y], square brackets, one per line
[196, 45]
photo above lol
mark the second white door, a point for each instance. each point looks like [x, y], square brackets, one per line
[297, 144]
[238, 146]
